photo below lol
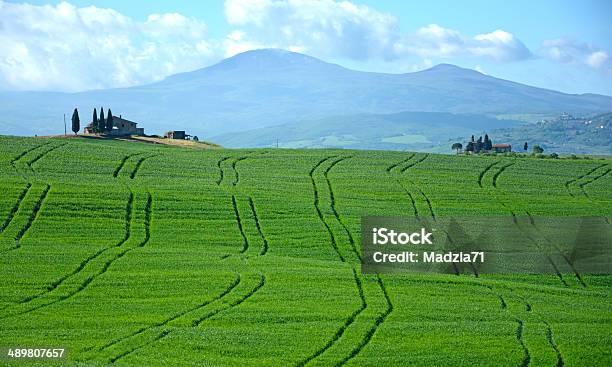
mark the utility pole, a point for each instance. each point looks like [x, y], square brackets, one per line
[65, 133]
[277, 143]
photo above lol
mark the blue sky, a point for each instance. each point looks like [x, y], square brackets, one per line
[50, 45]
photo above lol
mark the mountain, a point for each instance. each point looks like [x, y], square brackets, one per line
[270, 87]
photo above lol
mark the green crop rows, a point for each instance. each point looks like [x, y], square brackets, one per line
[138, 254]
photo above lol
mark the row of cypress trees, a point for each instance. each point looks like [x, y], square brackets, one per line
[102, 125]
[99, 125]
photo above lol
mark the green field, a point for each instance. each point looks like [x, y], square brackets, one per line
[139, 254]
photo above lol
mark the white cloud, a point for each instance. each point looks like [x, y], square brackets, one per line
[68, 48]
[597, 59]
[328, 28]
[321, 27]
[499, 45]
[568, 51]
[436, 41]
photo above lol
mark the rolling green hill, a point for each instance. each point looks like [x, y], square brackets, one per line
[416, 131]
[138, 254]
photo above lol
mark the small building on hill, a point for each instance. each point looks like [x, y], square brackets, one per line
[121, 127]
[501, 148]
[176, 134]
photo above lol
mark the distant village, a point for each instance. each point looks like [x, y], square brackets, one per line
[113, 126]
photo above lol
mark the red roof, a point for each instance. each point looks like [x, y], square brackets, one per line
[501, 145]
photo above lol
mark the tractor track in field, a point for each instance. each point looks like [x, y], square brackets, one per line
[520, 325]
[394, 165]
[225, 292]
[265, 245]
[165, 333]
[379, 320]
[33, 214]
[318, 208]
[549, 332]
[159, 337]
[332, 198]
[495, 180]
[262, 282]
[521, 340]
[550, 337]
[143, 243]
[399, 183]
[221, 173]
[428, 201]
[139, 163]
[502, 300]
[15, 207]
[236, 174]
[432, 214]
[239, 220]
[24, 192]
[528, 307]
[245, 240]
[568, 261]
[345, 326]
[500, 170]
[583, 184]
[31, 162]
[349, 321]
[23, 154]
[414, 163]
[572, 181]
[123, 162]
[31, 218]
[383, 316]
[484, 172]
[89, 259]
[107, 265]
[239, 159]
[590, 181]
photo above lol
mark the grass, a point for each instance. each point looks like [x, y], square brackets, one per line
[142, 254]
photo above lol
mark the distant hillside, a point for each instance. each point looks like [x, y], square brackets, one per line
[269, 87]
[416, 131]
[566, 134]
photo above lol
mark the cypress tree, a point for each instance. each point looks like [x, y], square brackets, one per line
[94, 122]
[479, 145]
[109, 121]
[488, 144]
[525, 146]
[76, 122]
[102, 121]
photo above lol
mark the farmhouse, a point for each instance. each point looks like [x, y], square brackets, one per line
[501, 148]
[121, 127]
